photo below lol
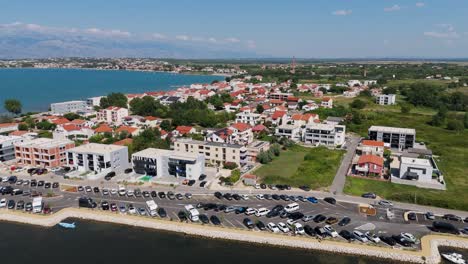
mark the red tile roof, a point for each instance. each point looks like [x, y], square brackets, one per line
[259, 128]
[373, 143]
[17, 133]
[60, 121]
[104, 128]
[184, 129]
[371, 159]
[124, 142]
[8, 124]
[241, 126]
[128, 129]
[278, 114]
[151, 118]
[70, 127]
[78, 121]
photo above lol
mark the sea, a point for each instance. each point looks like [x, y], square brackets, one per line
[38, 88]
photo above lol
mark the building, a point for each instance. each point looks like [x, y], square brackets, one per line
[6, 128]
[164, 163]
[254, 148]
[72, 132]
[415, 169]
[371, 147]
[43, 152]
[98, 158]
[280, 96]
[215, 153]
[7, 148]
[393, 137]
[68, 107]
[248, 117]
[324, 134]
[370, 165]
[112, 115]
[327, 102]
[385, 99]
[93, 101]
[249, 179]
[292, 132]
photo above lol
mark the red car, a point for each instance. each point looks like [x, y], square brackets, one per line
[113, 207]
[47, 210]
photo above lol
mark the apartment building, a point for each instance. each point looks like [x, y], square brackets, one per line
[214, 152]
[68, 107]
[7, 148]
[6, 128]
[324, 134]
[165, 163]
[98, 158]
[280, 96]
[393, 137]
[112, 115]
[43, 152]
[293, 132]
[93, 101]
[385, 99]
[248, 117]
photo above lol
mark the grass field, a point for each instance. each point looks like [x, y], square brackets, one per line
[314, 167]
[452, 147]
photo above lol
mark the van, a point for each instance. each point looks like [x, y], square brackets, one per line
[262, 212]
[291, 207]
[86, 202]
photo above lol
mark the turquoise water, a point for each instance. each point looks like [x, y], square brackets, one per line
[38, 88]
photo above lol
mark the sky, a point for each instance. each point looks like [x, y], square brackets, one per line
[241, 28]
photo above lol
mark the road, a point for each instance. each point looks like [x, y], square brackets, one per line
[340, 177]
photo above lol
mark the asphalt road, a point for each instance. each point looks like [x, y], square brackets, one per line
[340, 177]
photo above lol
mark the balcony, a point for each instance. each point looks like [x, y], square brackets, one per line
[364, 168]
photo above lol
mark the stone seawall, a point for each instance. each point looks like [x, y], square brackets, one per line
[428, 254]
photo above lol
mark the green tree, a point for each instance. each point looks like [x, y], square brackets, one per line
[358, 104]
[45, 125]
[166, 125]
[260, 108]
[114, 99]
[465, 120]
[13, 106]
[276, 149]
[72, 116]
[455, 125]
[23, 127]
[405, 108]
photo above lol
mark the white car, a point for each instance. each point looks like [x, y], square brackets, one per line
[283, 227]
[3, 203]
[273, 227]
[4, 179]
[122, 191]
[130, 193]
[372, 237]
[360, 236]
[298, 229]
[55, 169]
[291, 207]
[259, 196]
[132, 210]
[307, 218]
[262, 212]
[330, 231]
[113, 191]
[257, 186]
[408, 237]
[290, 222]
[385, 203]
[244, 196]
[250, 211]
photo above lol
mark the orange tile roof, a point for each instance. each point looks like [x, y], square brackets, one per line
[128, 129]
[60, 121]
[104, 128]
[184, 129]
[278, 114]
[258, 128]
[17, 133]
[373, 143]
[241, 126]
[8, 124]
[124, 142]
[371, 159]
[70, 127]
[78, 121]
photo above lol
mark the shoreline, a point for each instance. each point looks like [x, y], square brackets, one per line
[429, 252]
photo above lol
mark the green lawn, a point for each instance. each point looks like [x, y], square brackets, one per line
[314, 167]
[452, 147]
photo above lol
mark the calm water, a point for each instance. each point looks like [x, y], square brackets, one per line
[106, 243]
[37, 88]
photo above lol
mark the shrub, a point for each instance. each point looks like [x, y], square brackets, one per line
[230, 165]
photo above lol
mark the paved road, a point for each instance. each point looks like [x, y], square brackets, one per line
[340, 177]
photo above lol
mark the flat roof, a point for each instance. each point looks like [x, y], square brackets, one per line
[208, 143]
[7, 138]
[69, 102]
[323, 126]
[152, 152]
[96, 148]
[416, 161]
[289, 126]
[44, 143]
[399, 130]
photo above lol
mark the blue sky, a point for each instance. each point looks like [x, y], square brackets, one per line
[301, 28]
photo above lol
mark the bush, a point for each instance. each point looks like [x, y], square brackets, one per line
[358, 104]
[230, 165]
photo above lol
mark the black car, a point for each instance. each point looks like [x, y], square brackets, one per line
[161, 212]
[330, 200]
[227, 196]
[204, 219]
[129, 170]
[209, 206]
[31, 170]
[154, 194]
[202, 184]
[309, 230]
[444, 227]
[7, 190]
[219, 207]
[34, 183]
[28, 207]
[40, 183]
[86, 202]
[236, 197]
[402, 241]
[263, 186]
[347, 235]
[215, 220]
[17, 192]
[319, 231]
[267, 197]
[191, 182]
[202, 177]
[162, 195]
[284, 197]
[182, 216]
[47, 185]
[96, 189]
[218, 195]
[146, 194]
[248, 223]
[369, 195]
[260, 225]
[20, 205]
[452, 217]
[388, 240]
[412, 216]
[273, 214]
[319, 218]
[280, 187]
[137, 193]
[11, 204]
[179, 196]
[55, 185]
[304, 188]
[12, 179]
[466, 220]
[295, 216]
[344, 221]
[275, 197]
[105, 205]
[278, 208]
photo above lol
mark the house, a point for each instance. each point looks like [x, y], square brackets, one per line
[103, 128]
[333, 120]
[254, 148]
[231, 107]
[415, 169]
[124, 142]
[112, 115]
[133, 131]
[292, 132]
[370, 165]
[371, 147]
[242, 133]
[309, 107]
[327, 102]
[279, 117]
[324, 134]
[185, 130]
[248, 117]
[8, 127]
[385, 99]
[303, 119]
[72, 132]
[259, 128]
[249, 179]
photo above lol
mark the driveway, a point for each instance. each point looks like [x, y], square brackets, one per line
[340, 177]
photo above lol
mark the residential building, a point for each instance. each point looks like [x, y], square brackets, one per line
[43, 152]
[370, 165]
[304, 119]
[415, 169]
[72, 132]
[112, 115]
[185, 130]
[279, 117]
[292, 132]
[6, 128]
[165, 163]
[98, 158]
[327, 102]
[7, 148]
[93, 101]
[68, 107]
[371, 147]
[333, 120]
[215, 153]
[280, 96]
[249, 179]
[242, 133]
[254, 148]
[385, 99]
[324, 134]
[248, 117]
[393, 137]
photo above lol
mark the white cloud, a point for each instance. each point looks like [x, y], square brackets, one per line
[251, 44]
[447, 31]
[158, 36]
[212, 40]
[392, 8]
[108, 33]
[342, 12]
[183, 37]
[232, 40]
[420, 4]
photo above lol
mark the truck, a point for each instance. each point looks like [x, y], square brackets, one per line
[152, 208]
[37, 205]
[193, 213]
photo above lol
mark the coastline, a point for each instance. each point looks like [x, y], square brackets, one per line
[428, 254]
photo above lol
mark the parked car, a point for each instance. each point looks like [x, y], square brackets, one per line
[409, 237]
[372, 237]
[312, 199]
[162, 212]
[309, 230]
[273, 227]
[11, 204]
[385, 203]
[202, 177]
[262, 212]
[304, 188]
[319, 218]
[215, 220]
[308, 218]
[182, 216]
[248, 223]
[202, 184]
[331, 220]
[344, 221]
[170, 195]
[429, 216]
[260, 225]
[204, 218]
[129, 170]
[298, 229]
[162, 195]
[347, 235]
[360, 236]
[402, 241]
[444, 227]
[452, 217]
[330, 200]
[218, 195]
[330, 231]
[388, 240]
[369, 195]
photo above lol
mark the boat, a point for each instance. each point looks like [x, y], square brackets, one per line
[67, 225]
[454, 257]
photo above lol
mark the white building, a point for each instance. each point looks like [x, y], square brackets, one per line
[415, 169]
[248, 117]
[8, 127]
[324, 134]
[94, 101]
[385, 99]
[68, 107]
[98, 158]
[289, 131]
[164, 163]
[352, 83]
[112, 115]
[327, 102]
[393, 137]
[7, 148]
[370, 82]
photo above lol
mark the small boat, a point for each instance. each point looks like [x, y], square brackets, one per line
[67, 225]
[454, 258]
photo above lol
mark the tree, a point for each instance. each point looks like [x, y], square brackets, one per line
[358, 104]
[365, 93]
[439, 118]
[23, 127]
[166, 125]
[260, 108]
[455, 125]
[230, 165]
[275, 149]
[114, 99]
[71, 116]
[465, 120]
[405, 108]
[148, 106]
[390, 90]
[13, 106]
[45, 125]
